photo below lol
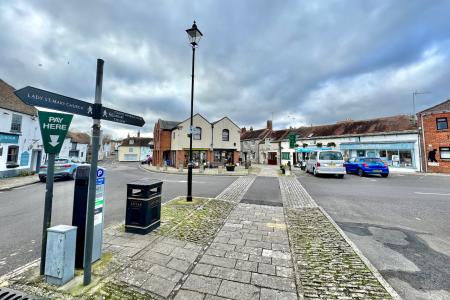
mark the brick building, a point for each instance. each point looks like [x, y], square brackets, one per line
[214, 143]
[435, 135]
[162, 133]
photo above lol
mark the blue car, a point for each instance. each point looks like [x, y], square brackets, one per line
[367, 165]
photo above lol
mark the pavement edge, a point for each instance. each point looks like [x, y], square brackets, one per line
[366, 261]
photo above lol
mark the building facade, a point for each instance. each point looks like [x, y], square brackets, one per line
[213, 144]
[251, 141]
[135, 149]
[21, 147]
[393, 139]
[270, 148]
[435, 138]
[76, 146]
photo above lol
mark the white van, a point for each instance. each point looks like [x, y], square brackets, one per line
[326, 162]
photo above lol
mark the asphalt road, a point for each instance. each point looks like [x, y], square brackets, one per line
[21, 209]
[264, 191]
[401, 223]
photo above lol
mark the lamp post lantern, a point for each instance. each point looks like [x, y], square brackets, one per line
[194, 36]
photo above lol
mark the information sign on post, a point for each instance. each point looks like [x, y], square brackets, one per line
[292, 141]
[54, 127]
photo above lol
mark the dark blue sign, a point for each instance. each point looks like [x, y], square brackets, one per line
[37, 97]
[7, 138]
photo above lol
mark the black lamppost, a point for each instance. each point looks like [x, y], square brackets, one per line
[194, 36]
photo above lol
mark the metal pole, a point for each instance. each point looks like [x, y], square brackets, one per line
[47, 208]
[189, 190]
[92, 178]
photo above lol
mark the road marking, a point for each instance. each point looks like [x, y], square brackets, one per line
[418, 219]
[437, 194]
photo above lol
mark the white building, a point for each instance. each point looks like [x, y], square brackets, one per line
[394, 139]
[21, 148]
[76, 146]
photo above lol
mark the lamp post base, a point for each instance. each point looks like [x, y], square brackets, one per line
[189, 191]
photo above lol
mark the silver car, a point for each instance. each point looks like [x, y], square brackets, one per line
[326, 162]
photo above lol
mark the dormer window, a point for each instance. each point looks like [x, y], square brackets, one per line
[131, 142]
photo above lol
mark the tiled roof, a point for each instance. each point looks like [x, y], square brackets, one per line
[167, 125]
[444, 106]
[278, 134]
[254, 134]
[137, 141]
[381, 125]
[8, 100]
[79, 137]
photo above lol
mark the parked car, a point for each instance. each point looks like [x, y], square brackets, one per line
[367, 165]
[64, 168]
[326, 162]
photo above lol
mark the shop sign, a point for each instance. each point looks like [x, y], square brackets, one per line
[292, 141]
[7, 138]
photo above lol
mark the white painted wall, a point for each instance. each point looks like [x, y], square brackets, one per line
[234, 136]
[67, 146]
[29, 138]
[180, 140]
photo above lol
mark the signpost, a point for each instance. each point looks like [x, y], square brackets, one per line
[54, 127]
[292, 141]
[37, 97]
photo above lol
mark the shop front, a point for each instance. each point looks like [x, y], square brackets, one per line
[401, 154]
[223, 156]
[199, 156]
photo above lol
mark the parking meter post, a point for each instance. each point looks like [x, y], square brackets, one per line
[93, 175]
[47, 208]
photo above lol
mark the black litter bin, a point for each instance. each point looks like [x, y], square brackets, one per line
[143, 206]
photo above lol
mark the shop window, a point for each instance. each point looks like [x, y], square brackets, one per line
[197, 133]
[130, 149]
[13, 154]
[225, 135]
[216, 156]
[444, 152]
[286, 155]
[441, 123]
[73, 153]
[16, 123]
[361, 153]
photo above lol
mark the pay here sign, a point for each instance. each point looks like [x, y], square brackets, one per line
[54, 127]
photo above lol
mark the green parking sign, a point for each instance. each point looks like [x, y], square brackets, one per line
[54, 127]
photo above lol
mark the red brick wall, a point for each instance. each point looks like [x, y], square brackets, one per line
[162, 142]
[236, 156]
[434, 139]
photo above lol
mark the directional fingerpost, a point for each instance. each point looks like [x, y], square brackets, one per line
[54, 127]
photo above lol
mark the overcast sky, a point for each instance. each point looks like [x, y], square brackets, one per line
[305, 62]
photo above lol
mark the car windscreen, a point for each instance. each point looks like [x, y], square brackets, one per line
[372, 159]
[330, 155]
[61, 161]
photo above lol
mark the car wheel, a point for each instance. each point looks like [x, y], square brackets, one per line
[384, 175]
[74, 175]
[315, 172]
[340, 176]
[42, 179]
[360, 173]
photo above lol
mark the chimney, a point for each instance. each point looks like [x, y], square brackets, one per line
[251, 128]
[269, 124]
[243, 129]
[139, 133]
[128, 135]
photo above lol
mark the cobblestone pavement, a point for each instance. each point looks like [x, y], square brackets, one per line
[237, 189]
[326, 265]
[248, 259]
[294, 194]
[268, 170]
[12, 182]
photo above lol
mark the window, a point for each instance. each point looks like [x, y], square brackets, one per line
[441, 123]
[197, 133]
[285, 155]
[16, 123]
[130, 149]
[173, 135]
[225, 135]
[13, 154]
[330, 155]
[131, 142]
[73, 153]
[445, 152]
[74, 146]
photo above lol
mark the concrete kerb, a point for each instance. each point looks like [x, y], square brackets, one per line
[194, 174]
[366, 261]
[9, 188]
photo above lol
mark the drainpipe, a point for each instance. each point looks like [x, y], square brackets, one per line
[424, 146]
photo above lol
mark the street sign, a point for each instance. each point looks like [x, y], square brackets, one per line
[37, 97]
[292, 140]
[54, 127]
